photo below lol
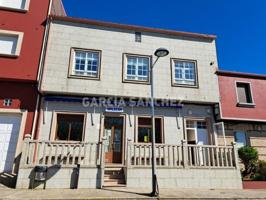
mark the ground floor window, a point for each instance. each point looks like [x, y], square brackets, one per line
[240, 138]
[70, 127]
[197, 132]
[145, 129]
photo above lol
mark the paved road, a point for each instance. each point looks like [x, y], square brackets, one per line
[127, 193]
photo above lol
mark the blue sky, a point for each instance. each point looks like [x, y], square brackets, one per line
[240, 25]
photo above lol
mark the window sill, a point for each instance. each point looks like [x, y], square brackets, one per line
[246, 105]
[185, 85]
[21, 10]
[84, 77]
[8, 55]
[136, 82]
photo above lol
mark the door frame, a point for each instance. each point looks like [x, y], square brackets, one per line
[123, 115]
[21, 135]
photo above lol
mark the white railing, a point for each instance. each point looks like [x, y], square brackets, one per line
[41, 152]
[183, 155]
[210, 156]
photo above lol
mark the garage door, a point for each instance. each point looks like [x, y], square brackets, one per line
[9, 132]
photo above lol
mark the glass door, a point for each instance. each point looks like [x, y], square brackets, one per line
[113, 131]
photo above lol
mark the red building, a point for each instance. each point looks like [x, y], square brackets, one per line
[23, 31]
[243, 109]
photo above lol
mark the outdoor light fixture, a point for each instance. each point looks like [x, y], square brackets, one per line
[161, 52]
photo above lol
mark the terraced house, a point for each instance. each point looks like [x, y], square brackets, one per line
[89, 66]
[22, 32]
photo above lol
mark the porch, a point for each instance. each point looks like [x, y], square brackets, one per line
[82, 165]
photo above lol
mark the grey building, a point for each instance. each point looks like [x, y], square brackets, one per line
[95, 111]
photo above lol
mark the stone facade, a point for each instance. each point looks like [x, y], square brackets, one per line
[113, 43]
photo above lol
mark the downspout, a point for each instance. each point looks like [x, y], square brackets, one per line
[44, 44]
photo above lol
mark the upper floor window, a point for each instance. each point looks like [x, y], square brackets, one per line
[137, 36]
[10, 43]
[244, 94]
[15, 4]
[185, 72]
[137, 68]
[86, 63]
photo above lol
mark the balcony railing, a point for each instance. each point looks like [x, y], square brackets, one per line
[182, 156]
[41, 152]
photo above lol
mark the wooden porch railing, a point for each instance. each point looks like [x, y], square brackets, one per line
[182, 156]
[41, 152]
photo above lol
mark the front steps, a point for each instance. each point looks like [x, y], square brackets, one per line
[114, 177]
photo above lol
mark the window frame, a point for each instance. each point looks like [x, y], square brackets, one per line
[196, 120]
[137, 126]
[19, 35]
[23, 10]
[72, 64]
[174, 84]
[242, 104]
[55, 125]
[124, 69]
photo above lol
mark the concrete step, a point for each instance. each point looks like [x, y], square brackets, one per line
[109, 184]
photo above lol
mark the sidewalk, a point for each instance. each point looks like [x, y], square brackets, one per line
[127, 193]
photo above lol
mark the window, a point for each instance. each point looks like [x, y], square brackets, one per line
[137, 36]
[7, 102]
[86, 63]
[15, 4]
[244, 93]
[10, 43]
[137, 68]
[145, 130]
[70, 127]
[184, 72]
[240, 139]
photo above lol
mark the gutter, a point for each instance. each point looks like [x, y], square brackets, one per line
[39, 75]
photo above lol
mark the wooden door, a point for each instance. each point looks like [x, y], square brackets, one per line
[113, 131]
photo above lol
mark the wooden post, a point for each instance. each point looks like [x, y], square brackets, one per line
[185, 153]
[235, 152]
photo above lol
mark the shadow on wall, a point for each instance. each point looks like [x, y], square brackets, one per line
[9, 179]
[51, 171]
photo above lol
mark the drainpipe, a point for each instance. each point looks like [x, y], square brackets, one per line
[41, 62]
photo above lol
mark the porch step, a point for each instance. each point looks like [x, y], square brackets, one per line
[114, 177]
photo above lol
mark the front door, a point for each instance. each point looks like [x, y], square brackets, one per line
[113, 132]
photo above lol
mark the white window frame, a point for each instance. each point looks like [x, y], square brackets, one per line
[174, 83]
[19, 35]
[195, 128]
[136, 80]
[73, 63]
[25, 9]
[251, 95]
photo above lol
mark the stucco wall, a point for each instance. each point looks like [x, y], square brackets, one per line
[113, 43]
[229, 108]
